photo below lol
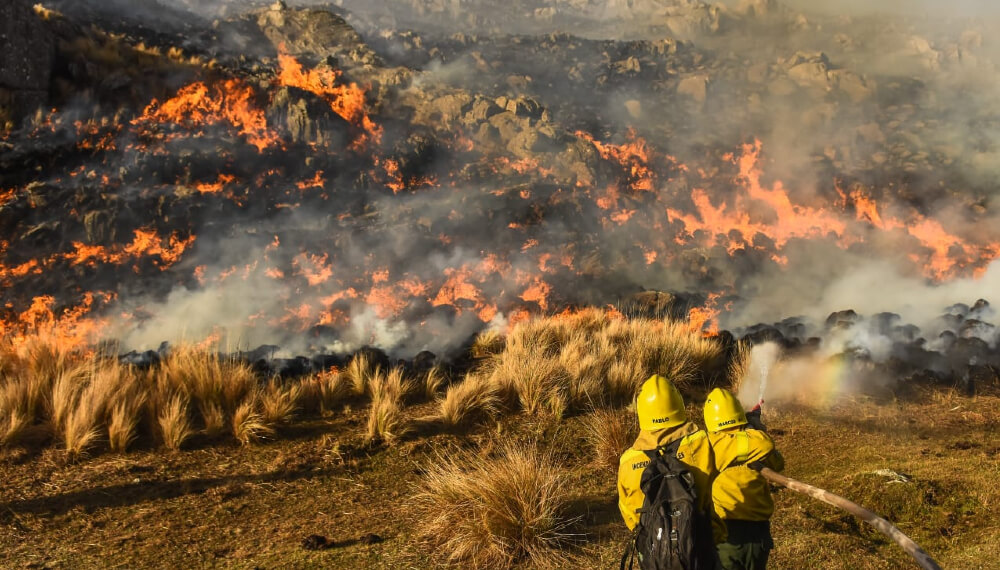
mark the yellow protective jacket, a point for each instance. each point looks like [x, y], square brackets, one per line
[738, 491]
[694, 451]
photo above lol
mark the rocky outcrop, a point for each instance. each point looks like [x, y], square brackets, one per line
[25, 60]
[316, 33]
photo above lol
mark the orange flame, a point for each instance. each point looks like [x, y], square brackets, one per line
[315, 268]
[633, 156]
[214, 187]
[538, 292]
[199, 104]
[70, 330]
[314, 182]
[705, 319]
[737, 226]
[348, 100]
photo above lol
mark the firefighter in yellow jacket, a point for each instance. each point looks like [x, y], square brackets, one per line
[663, 420]
[741, 496]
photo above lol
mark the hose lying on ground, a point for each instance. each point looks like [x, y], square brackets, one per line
[883, 526]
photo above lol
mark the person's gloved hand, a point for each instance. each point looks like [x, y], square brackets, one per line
[753, 418]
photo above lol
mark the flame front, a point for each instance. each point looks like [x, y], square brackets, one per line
[340, 237]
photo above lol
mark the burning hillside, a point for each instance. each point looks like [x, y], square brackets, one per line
[279, 176]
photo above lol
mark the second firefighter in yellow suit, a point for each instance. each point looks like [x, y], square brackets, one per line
[740, 494]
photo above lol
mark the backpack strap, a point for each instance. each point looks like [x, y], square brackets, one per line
[671, 448]
[629, 557]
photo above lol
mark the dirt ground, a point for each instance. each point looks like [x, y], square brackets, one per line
[931, 467]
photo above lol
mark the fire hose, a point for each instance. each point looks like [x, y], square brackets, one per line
[885, 527]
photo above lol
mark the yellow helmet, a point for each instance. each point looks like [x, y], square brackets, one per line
[659, 404]
[723, 411]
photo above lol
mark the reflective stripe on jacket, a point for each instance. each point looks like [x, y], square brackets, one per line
[694, 451]
[740, 492]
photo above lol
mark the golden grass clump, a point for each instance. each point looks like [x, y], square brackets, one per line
[15, 419]
[28, 375]
[540, 336]
[123, 423]
[209, 375]
[392, 385]
[81, 430]
[434, 380]
[99, 397]
[535, 382]
[359, 373]
[488, 343]
[213, 417]
[610, 432]
[496, 512]
[175, 427]
[593, 358]
[386, 421]
[470, 399]
[624, 376]
[216, 386]
[279, 402]
[248, 424]
[324, 391]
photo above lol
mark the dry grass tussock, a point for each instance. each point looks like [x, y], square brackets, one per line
[248, 424]
[84, 402]
[322, 393]
[359, 373]
[173, 421]
[434, 381]
[587, 359]
[496, 512]
[386, 421]
[279, 401]
[221, 393]
[473, 398]
[610, 432]
[488, 343]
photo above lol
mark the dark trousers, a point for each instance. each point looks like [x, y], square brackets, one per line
[748, 545]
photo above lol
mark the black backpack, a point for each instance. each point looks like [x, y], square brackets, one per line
[672, 534]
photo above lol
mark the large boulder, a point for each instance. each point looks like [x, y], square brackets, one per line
[314, 33]
[25, 60]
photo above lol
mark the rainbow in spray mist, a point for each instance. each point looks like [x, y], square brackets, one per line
[817, 378]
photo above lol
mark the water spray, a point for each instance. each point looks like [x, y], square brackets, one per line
[764, 368]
